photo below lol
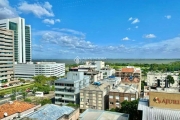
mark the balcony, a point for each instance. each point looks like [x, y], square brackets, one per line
[68, 98]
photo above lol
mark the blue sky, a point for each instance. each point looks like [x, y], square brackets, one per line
[99, 28]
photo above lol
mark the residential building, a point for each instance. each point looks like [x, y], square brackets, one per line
[160, 106]
[94, 96]
[93, 114]
[53, 112]
[94, 76]
[67, 89]
[16, 109]
[97, 65]
[29, 70]
[107, 71]
[118, 73]
[22, 38]
[122, 92]
[153, 77]
[6, 55]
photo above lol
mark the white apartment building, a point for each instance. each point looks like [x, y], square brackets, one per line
[152, 78]
[97, 65]
[22, 38]
[6, 55]
[29, 70]
[67, 89]
[107, 72]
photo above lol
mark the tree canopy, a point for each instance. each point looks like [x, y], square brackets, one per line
[170, 79]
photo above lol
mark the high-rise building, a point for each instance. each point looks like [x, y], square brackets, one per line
[22, 38]
[6, 55]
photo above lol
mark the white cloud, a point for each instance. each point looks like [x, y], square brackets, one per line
[6, 11]
[39, 10]
[136, 20]
[137, 27]
[57, 20]
[48, 21]
[69, 31]
[168, 16]
[126, 38]
[128, 28]
[149, 36]
[130, 19]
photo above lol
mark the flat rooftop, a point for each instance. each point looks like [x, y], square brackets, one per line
[101, 87]
[93, 114]
[125, 88]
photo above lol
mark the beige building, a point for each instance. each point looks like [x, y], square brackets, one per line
[118, 73]
[122, 92]
[94, 97]
[6, 55]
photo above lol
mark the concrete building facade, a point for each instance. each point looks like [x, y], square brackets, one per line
[67, 89]
[94, 96]
[153, 77]
[22, 38]
[29, 70]
[6, 55]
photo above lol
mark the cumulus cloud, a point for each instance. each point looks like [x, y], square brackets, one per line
[6, 11]
[130, 19]
[168, 16]
[137, 27]
[136, 20]
[57, 20]
[70, 31]
[48, 21]
[38, 9]
[149, 36]
[126, 38]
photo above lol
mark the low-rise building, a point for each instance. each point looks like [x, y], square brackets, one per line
[160, 106]
[53, 112]
[153, 77]
[94, 96]
[29, 70]
[107, 71]
[122, 92]
[67, 89]
[16, 109]
[94, 76]
[93, 114]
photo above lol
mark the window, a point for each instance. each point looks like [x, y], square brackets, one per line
[110, 96]
[81, 99]
[132, 99]
[117, 97]
[126, 98]
[111, 103]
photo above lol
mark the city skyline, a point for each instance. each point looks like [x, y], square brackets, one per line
[109, 29]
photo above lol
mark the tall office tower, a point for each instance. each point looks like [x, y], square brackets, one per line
[22, 38]
[6, 55]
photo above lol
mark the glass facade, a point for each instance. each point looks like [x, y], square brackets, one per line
[28, 43]
[13, 26]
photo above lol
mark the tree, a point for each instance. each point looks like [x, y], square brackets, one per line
[130, 107]
[45, 101]
[170, 79]
[27, 100]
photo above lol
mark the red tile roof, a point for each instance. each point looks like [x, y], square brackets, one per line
[130, 70]
[15, 107]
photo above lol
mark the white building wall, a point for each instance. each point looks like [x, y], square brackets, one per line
[27, 71]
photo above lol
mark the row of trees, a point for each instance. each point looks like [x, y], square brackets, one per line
[174, 66]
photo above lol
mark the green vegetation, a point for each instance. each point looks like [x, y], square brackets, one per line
[73, 105]
[129, 107]
[27, 100]
[42, 83]
[18, 88]
[143, 83]
[170, 79]
[45, 101]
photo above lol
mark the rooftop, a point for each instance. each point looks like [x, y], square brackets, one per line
[14, 107]
[50, 112]
[96, 87]
[130, 70]
[92, 114]
[127, 80]
[125, 88]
